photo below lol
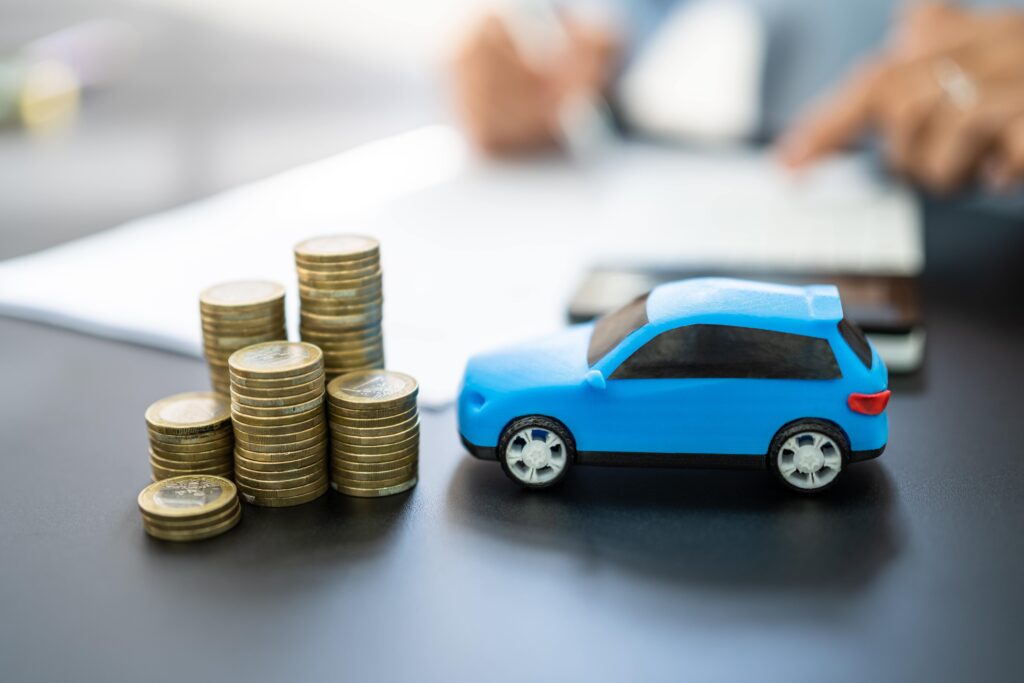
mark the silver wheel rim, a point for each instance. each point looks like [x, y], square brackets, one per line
[535, 455]
[809, 460]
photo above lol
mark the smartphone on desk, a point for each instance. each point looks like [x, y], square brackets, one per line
[886, 307]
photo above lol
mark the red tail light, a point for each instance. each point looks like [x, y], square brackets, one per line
[869, 404]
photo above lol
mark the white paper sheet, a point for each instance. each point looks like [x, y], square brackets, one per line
[474, 255]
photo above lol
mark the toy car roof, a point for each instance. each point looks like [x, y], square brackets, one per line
[739, 300]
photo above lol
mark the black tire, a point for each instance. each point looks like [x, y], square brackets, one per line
[828, 429]
[536, 422]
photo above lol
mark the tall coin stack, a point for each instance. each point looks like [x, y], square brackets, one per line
[277, 407]
[342, 302]
[375, 433]
[190, 434]
[235, 315]
[189, 508]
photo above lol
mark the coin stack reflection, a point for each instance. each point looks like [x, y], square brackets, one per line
[189, 508]
[375, 433]
[277, 407]
[190, 433]
[235, 315]
[342, 303]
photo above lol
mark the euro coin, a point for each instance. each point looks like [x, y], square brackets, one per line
[240, 296]
[346, 440]
[266, 484]
[191, 413]
[319, 448]
[199, 534]
[244, 463]
[286, 501]
[245, 383]
[286, 430]
[193, 496]
[373, 389]
[345, 429]
[230, 511]
[318, 467]
[373, 492]
[337, 248]
[340, 452]
[288, 492]
[359, 466]
[275, 359]
[281, 402]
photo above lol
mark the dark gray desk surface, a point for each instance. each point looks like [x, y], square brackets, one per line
[911, 569]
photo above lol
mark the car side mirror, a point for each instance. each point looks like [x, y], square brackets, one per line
[595, 379]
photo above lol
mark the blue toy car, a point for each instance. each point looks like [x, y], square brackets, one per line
[708, 372]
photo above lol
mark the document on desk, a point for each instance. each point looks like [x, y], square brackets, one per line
[475, 255]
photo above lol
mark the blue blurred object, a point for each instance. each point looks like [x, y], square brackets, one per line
[712, 372]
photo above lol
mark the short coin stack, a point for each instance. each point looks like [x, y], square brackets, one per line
[375, 433]
[342, 303]
[235, 315]
[190, 433]
[189, 508]
[277, 406]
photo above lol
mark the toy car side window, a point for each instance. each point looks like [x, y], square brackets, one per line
[724, 351]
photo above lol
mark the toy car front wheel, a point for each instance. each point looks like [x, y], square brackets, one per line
[536, 452]
[809, 455]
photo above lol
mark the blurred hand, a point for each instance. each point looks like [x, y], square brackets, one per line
[946, 95]
[509, 105]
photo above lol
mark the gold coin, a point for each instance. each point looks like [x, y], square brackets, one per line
[222, 344]
[277, 359]
[358, 466]
[353, 261]
[366, 492]
[339, 451]
[286, 502]
[190, 459]
[243, 295]
[317, 384]
[311, 276]
[211, 439]
[188, 497]
[242, 316]
[381, 478]
[278, 401]
[256, 440]
[344, 429]
[319, 447]
[335, 346]
[194, 412]
[161, 473]
[264, 485]
[370, 313]
[221, 439]
[286, 446]
[327, 289]
[283, 430]
[241, 462]
[337, 248]
[190, 524]
[243, 328]
[373, 389]
[369, 418]
[286, 423]
[330, 322]
[285, 383]
[290, 492]
[280, 411]
[380, 441]
[193, 535]
[257, 475]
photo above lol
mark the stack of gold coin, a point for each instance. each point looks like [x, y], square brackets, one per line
[235, 315]
[375, 433]
[189, 508]
[190, 433]
[277, 407]
[342, 302]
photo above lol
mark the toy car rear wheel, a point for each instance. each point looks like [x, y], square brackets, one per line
[808, 456]
[536, 451]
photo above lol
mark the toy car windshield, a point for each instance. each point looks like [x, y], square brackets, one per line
[612, 328]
